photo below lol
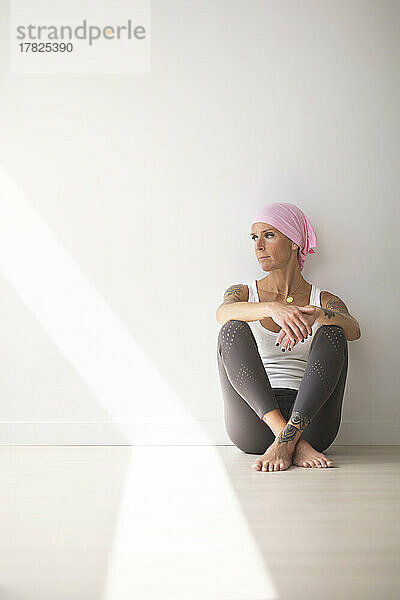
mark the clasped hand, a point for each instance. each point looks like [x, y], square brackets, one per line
[296, 325]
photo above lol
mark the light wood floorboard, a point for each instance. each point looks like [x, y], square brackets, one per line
[180, 522]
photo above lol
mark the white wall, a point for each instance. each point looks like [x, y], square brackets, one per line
[148, 182]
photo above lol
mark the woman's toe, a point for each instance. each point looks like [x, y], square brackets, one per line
[328, 463]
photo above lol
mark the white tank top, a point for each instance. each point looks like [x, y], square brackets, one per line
[284, 369]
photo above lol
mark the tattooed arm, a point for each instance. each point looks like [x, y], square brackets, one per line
[333, 311]
[235, 293]
[235, 305]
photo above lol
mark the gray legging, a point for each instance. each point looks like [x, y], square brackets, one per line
[248, 395]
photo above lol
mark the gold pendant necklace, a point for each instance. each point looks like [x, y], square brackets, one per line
[290, 298]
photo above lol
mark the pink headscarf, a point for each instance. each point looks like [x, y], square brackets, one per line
[293, 223]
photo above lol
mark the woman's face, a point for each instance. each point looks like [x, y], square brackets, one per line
[273, 249]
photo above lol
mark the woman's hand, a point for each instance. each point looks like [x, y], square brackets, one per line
[309, 316]
[292, 319]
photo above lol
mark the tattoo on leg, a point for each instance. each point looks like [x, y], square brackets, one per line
[287, 435]
[299, 420]
[296, 423]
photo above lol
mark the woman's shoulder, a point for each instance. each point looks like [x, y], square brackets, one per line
[332, 302]
[238, 292]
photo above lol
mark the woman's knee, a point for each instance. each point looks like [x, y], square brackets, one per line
[233, 325]
[334, 334]
[232, 330]
[328, 328]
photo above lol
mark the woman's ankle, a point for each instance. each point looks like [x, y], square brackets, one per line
[289, 436]
[275, 421]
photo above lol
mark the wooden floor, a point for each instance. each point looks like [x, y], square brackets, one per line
[196, 522]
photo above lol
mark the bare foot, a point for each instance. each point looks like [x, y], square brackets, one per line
[305, 455]
[275, 458]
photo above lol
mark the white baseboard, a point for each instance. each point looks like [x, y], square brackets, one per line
[204, 433]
